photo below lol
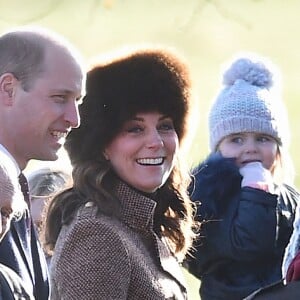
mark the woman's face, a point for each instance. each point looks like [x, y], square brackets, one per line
[143, 153]
[249, 147]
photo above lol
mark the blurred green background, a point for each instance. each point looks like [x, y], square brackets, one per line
[206, 32]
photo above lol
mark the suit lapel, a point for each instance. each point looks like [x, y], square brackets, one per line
[39, 261]
[18, 230]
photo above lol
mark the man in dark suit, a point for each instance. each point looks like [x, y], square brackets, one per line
[40, 85]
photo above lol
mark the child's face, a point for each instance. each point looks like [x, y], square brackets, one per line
[250, 146]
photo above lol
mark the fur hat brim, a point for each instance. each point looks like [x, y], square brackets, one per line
[142, 81]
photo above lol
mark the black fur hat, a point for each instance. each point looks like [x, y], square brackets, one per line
[141, 81]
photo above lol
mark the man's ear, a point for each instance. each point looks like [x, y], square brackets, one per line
[7, 87]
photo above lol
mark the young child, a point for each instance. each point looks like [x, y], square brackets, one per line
[245, 206]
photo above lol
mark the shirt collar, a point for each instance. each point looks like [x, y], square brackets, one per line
[10, 161]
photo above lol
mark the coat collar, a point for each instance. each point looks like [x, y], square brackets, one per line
[138, 212]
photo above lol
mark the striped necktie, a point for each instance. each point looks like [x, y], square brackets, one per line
[25, 190]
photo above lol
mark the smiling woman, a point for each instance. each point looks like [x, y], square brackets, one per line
[127, 221]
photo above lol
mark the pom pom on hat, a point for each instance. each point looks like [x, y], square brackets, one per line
[254, 73]
[248, 103]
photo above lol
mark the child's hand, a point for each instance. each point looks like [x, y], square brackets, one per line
[256, 176]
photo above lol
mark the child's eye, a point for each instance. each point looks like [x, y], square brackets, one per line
[263, 139]
[237, 140]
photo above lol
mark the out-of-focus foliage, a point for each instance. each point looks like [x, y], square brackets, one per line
[206, 32]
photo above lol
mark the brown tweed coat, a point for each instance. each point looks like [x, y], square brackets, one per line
[99, 257]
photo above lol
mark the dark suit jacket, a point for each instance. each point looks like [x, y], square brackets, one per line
[12, 286]
[21, 251]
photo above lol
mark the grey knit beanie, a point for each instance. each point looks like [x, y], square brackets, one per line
[248, 103]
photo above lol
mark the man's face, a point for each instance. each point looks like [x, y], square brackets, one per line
[42, 116]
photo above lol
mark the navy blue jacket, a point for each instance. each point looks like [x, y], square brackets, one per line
[25, 256]
[243, 234]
